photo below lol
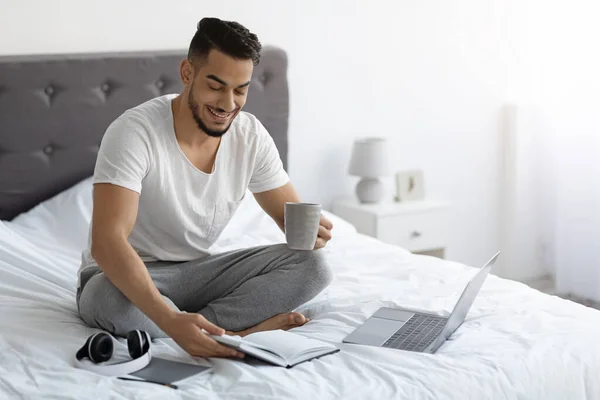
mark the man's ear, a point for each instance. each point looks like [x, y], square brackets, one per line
[186, 71]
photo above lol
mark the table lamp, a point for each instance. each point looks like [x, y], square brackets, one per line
[369, 161]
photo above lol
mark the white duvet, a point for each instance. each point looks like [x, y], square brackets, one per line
[516, 343]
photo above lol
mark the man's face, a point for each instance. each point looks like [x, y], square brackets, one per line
[218, 91]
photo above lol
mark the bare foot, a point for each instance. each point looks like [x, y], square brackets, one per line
[283, 321]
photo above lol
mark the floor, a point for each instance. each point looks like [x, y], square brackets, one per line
[546, 285]
[585, 302]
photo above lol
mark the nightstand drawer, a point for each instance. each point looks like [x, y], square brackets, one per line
[415, 232]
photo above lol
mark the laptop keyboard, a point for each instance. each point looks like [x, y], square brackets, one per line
[417, 333]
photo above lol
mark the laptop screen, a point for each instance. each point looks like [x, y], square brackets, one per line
[466, 299]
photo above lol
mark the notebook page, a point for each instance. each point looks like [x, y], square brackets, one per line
[288, 344]
[256, 350]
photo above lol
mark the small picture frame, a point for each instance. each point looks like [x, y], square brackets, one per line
[410, 185]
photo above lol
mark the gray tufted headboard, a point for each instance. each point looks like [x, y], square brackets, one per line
[54, 110]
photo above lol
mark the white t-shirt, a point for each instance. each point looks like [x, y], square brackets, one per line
[182, 210]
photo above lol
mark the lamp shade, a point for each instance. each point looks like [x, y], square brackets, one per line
[369, 158]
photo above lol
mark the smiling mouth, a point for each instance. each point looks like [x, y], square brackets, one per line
[221, 116]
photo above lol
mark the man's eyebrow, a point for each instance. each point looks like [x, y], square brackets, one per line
[214, 78]
[222, 82]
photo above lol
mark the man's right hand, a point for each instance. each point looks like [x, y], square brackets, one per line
[186, 330]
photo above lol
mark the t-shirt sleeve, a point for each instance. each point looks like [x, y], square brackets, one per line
[124, 155]
[268, 171]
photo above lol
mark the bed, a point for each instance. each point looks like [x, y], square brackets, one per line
[516, 343]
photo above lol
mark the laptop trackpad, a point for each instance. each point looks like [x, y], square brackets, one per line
[393, 313]
[374, 332]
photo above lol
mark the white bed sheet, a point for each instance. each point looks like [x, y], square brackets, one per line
[516, 343]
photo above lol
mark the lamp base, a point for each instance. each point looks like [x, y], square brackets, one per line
[369, 190]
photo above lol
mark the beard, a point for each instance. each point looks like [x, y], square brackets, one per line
[201, 125]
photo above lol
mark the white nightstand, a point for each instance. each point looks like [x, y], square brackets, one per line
[418, 226]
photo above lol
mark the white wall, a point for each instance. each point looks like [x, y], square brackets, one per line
[432, 76]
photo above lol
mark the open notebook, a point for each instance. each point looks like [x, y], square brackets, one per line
[278, 347]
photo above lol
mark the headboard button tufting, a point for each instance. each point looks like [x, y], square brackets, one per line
[105, 87]
[49, 149]
[49, 90]
[160, 84]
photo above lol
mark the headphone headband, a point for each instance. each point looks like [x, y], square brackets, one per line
[118, 369]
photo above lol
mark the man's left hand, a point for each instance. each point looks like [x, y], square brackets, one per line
[325, 227]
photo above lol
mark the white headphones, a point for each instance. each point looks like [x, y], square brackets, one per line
[99, 348]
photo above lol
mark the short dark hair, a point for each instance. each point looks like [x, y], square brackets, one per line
[228, 37]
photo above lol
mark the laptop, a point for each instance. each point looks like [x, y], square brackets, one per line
[405, 329]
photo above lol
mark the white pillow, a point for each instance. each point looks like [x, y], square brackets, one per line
[46, 243]
[64, 218]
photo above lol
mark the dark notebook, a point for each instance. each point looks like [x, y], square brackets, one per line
[167, 371]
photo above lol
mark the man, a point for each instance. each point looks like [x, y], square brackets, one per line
[169, 176]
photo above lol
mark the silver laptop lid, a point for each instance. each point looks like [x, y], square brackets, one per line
[466, 300]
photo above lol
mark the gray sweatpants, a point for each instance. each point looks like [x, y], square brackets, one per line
[234, 290]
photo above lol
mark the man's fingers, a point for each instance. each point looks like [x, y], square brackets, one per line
[219, 350]
[326, 223]
[324, 233]
[209, 326]
[320, 243]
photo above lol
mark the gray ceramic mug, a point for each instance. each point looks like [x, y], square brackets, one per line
[301, 225]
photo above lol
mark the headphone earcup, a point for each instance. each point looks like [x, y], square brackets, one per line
[138, 343]
[98, 348]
